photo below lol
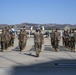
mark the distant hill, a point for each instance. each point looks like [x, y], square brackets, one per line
[47, 26]
[3, 25]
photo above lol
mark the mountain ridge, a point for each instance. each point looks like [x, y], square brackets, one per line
[35, 25]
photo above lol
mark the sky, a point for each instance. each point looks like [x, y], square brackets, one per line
[38, 11]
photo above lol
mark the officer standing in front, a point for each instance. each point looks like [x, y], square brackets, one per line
[37, 39]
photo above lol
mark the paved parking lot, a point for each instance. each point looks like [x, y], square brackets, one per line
[49, 62]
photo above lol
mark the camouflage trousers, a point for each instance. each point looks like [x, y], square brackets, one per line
[72, 45]
[37, 48]
[66, 42]
[52, 43]
[40, 46]
[12, 41]
[2, 45]
[63, 39]
[24, 44]
[55, 43]
[21, 45]
[6, 45]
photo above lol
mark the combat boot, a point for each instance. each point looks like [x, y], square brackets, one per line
[37, 55]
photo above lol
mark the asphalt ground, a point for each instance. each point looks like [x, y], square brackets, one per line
[12, 62]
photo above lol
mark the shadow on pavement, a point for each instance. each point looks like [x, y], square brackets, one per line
[32, 48]
[48, 48]
[62, 48]
[30, 54]
[57, 67]
[16, 49]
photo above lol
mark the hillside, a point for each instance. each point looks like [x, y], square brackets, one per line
[47, 26]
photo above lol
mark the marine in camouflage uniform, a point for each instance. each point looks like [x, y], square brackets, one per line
[21, 40]
[12, 38]
[37, 42]
[52, 36]
[75, 36]
[25, 37]
[64, 37]
[7, 37]
[67, 39]
[41, 40]
[56, 40]
[2, 40]
[72, 41]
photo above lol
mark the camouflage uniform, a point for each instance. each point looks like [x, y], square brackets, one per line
[6, 39]
[72, 41]
[21, 40]
[63, 38]
[2, 40]
[56, 40]
[9, 44]
[52, 36]
[66, 39]
[75, 36]
[37, 39]
[25, 38]
[41, 40]
[12, 38]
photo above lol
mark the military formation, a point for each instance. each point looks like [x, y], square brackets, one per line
[68, 37]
